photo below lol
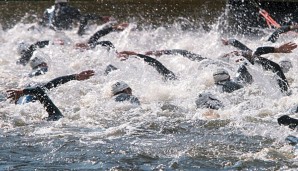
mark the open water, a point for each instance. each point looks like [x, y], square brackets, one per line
[166, 132]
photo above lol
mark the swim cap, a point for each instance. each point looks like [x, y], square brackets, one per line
[60, 1]
[36, 61]
[207, 100]
[221, 75]
[285, 65]
[119, 86]
[22, 46]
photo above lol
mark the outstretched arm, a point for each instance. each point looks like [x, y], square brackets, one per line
[185, 53]
[29, 52]
[275, 35]
[237, 44]
[167, 74]
[64, 79]
[93, 39]
[285, 48]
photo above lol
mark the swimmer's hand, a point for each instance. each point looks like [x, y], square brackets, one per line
[123, 55]
[120, 27]
[82, 46]
[85, 75]
[224, 41]
[286, 48]
[14, 95]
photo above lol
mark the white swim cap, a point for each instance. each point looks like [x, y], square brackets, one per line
[22, 46]
[119, 86]
[221, 75]
[36, 61]
[285, 65]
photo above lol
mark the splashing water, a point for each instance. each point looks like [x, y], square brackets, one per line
[166, 132]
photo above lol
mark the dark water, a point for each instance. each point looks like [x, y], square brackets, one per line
[155, 12]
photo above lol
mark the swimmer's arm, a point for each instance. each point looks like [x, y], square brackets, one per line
[237, 44]
[93, 39]
[185, 53]
[285, 48]
[168, 75]
[64, 79]
[273, 38]
[29, 52]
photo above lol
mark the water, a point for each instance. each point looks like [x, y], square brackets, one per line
[100, 134]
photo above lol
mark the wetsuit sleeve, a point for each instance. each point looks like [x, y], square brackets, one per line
[58, 81]
[185, 53]
[243, 76]
[84, 21]
[264, 50]
[167, 74]
[275, 68]
[109, 45]
[93, 39]
[51, 108]
[273, 38]
[29, 52]
[237, 44]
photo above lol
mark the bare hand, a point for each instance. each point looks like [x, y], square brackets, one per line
[286, 48]
[107, 19]
[128, 52]
[14, 94]
[224, 41]
[82, 46]
[85, 75]
[120, 27]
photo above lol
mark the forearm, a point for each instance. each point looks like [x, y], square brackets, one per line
[273, 38]
[60, 80]
[26, 56]
[93, 39]
[238, 45]
[264, 50]
[168, 75]
[44, 99]
[275, 68]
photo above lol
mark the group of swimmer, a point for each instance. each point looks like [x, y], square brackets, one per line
[61, 16]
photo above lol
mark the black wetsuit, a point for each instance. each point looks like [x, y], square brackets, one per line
[184, 53]
[51, 108]
[39, 94]
[288, 121]
[122, 97]
[38, 71]
[264, 62]
[161, 69]
[275, 35]
[96, 36]
[27, 54]
[62, 17]
[167, 74]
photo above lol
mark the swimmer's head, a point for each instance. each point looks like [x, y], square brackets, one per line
[22, 47]
[36, 62]
[285, 65]
[221, 75]
[120, 87]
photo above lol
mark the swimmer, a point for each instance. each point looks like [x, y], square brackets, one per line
[32, 94]
[266, 64]
[122, 92]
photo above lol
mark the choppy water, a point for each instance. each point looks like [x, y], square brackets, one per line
[100, 134]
